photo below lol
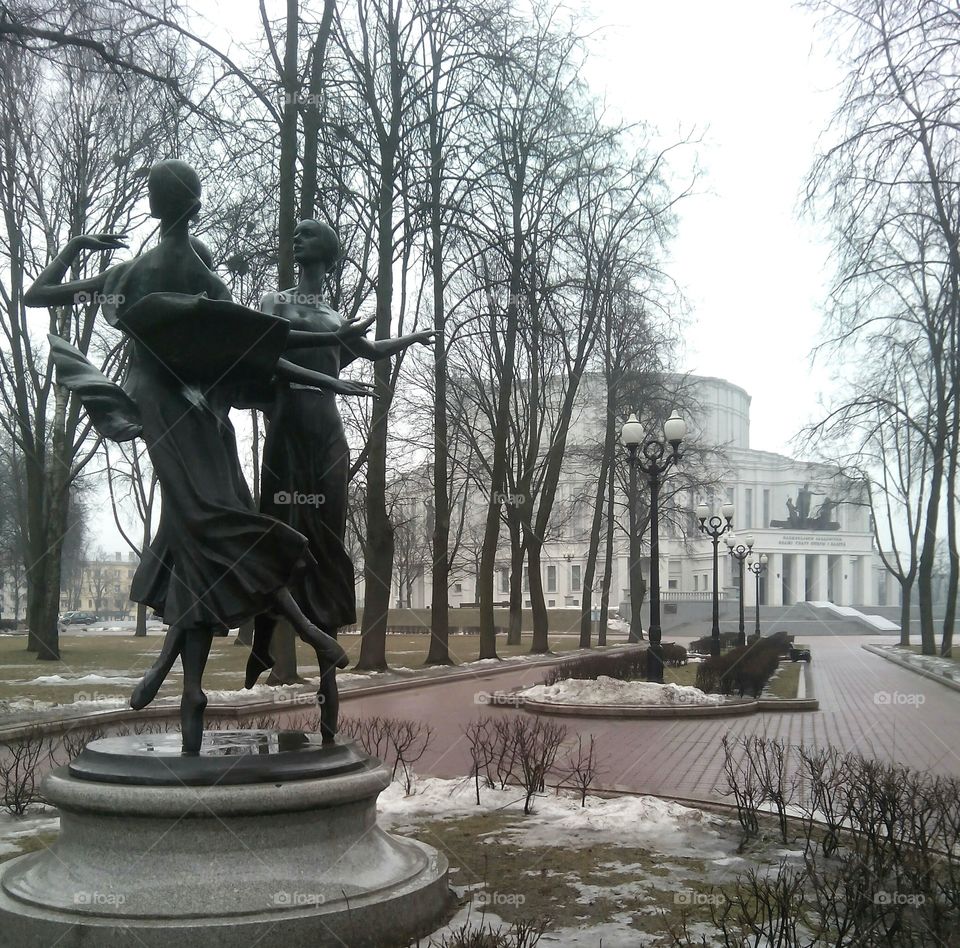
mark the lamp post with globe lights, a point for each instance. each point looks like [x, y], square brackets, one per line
[654, 459]
[758, 568]
[715, 526]
[740, 551]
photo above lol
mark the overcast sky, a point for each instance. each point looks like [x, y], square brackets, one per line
[758, 82]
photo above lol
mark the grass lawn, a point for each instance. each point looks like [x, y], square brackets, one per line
[115, 662]
[787, 680]
[955, 657]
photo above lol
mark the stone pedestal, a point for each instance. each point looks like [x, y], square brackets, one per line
[263, 835]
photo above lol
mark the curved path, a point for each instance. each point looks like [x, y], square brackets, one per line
[867, 705]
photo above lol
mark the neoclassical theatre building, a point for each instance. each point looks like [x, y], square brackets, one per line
[816, 534]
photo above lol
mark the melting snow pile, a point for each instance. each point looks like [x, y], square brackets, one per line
[558, 819]
[612, 691]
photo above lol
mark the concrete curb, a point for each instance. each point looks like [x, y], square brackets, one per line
[916, 669]
[306, 700]
[735, 707]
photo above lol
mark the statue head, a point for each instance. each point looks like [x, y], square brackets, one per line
[174, 190]
[315, 242]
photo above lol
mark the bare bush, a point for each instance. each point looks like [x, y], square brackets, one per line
[583, 767]
[20, 760]
[398, 742]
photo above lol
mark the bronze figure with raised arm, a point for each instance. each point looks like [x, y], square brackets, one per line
[216, 560]
[306, 455]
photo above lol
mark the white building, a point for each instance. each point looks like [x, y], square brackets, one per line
[815, 533]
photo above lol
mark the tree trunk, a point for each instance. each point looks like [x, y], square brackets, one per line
[378, 559]
[906, 588]
[141, 629]
[928, 644]
[311, 116]
[515, 620]
[283, 649]
[541, 641]
[439, 652]
[288, 147]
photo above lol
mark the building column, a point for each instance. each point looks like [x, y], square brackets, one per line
[798, 578]
[775, 579]
[819, 577]
[862, 588]
[845, 582]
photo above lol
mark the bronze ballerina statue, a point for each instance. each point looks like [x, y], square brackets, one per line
[215, 561]
[306, 452]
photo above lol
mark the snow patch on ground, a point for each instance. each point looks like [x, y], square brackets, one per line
[559, 820]
[120, 678]
[14, 828]
[611, 691]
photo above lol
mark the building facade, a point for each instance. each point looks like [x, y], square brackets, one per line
[811, 524]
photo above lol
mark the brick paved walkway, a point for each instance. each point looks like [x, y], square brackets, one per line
[867, 705]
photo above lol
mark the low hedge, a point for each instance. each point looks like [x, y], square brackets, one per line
[743, 670]
[705, 644]
[625, 666]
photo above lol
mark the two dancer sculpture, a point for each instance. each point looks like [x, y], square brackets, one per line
[216, 561]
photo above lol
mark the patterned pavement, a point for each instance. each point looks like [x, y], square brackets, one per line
[867, 705]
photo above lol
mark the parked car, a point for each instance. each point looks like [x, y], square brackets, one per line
[77, 618]
[799, 653]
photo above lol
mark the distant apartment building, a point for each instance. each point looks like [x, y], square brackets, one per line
[102, 586]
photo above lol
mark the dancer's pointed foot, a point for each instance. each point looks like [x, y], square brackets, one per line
[327, 647]
[256, 665]
[192, 706]
[146, 690]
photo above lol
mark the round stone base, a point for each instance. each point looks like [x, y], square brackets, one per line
[290, 861]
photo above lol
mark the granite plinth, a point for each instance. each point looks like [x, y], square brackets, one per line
[300, 861]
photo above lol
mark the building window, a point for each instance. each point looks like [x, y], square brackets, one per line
[504, 581]
[458, 587]
[526, 579]
[748, 508]
[551, 578]
[696, 583]
[575, 578]
[766, 508]
[671, 584]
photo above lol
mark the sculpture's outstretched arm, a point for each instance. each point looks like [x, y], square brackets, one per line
[351, 331]
[48, 290]
[376, 349]
[297, 373]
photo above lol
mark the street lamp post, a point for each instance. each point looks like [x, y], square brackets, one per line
[632, 434]
[758, 568]
[740, 552]
[657, 459]
[715, 527]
